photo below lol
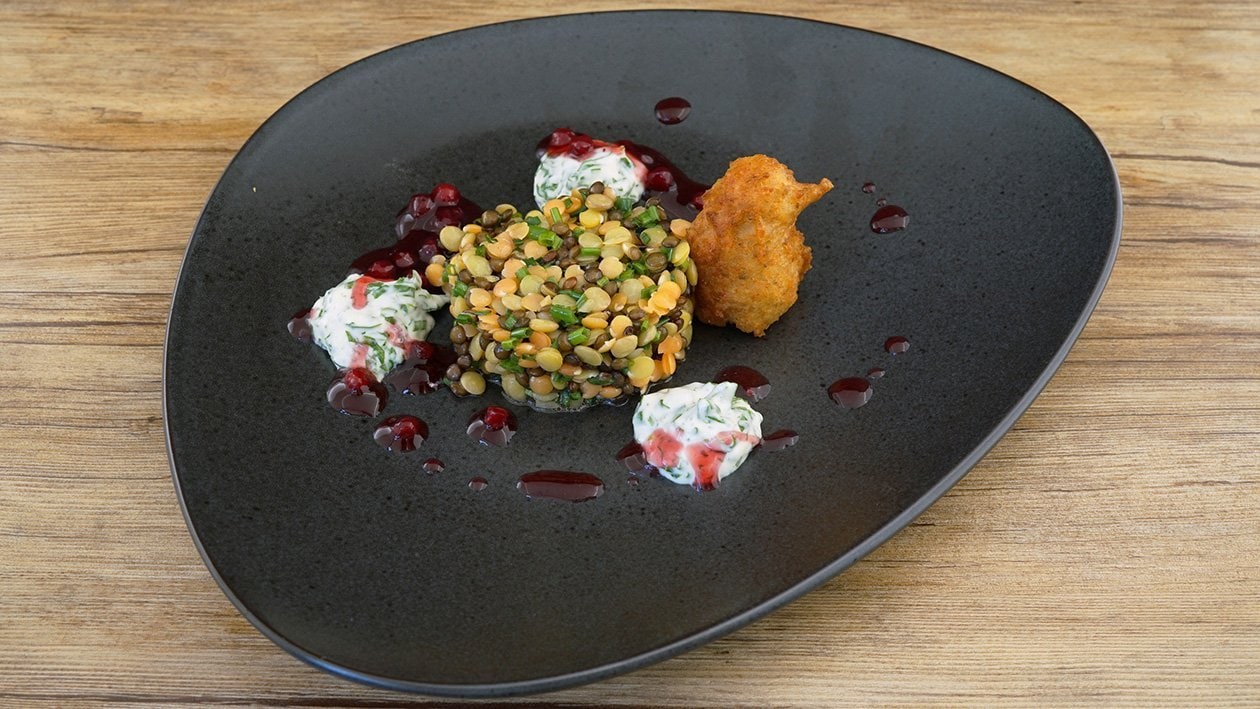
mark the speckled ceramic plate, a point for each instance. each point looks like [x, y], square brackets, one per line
[359, 563]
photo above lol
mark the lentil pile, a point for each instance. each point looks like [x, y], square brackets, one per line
[585, 301]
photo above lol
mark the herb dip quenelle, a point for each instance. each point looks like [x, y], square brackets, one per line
[571, 161]
[368, 322]
[697, 434]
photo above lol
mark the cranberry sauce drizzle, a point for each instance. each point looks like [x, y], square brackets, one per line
[300, 326]
[492, 426]
[889, 218]
[560, 485]
[850, 392]
[868, 187]
[673, 110]
[422, 371]
[896, 345]
[680, 195]
[401, 433]
[433, 466]
[780, 439]
[753, 385]
[632, 456]
[706, 462]
[875, 373]
[416, 227]
[356, 392]
[478, 484]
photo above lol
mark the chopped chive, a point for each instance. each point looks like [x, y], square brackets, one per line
[480, 250]
[520, 333]
[563, 315]
[510, 321]
[648, 291]
[556, 217]
[588, 251]
[579, 336]
[459, 289]
[465, 318]
[624, 204]
[580, 302]
[603, 281]
[533, 221]
[511, 364]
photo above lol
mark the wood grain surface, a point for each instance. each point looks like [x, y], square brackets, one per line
[1107, 551]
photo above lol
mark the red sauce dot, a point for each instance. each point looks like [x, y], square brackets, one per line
[896, 345]
[492, 426]
[673, 110]
[889, 218]
[401, 433]
[850, 392]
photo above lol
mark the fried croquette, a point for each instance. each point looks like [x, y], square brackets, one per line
[748, 252]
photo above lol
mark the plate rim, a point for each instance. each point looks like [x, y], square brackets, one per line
[738, 620]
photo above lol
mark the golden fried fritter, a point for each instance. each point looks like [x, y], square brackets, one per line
[748, 252]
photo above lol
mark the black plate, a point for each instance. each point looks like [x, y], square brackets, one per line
[355, 561]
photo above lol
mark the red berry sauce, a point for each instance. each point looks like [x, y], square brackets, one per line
[780, 439]
[492, 426]
[401, 433]
[896, 345]
[356, 392]
[560, 485]
[423, 369]
[300, 325]
[850, 392]
[673, 110]
[889, 218]
[417, 227]
[752, 384]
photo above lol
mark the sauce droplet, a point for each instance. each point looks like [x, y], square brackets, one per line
[433, 466]
[423, 369]
[401, 433]
[868, 187]
[881, 201]
[477, 484]
[673, 110]
[896, 345]
[632, 480]
[492, 426]
[752, 384]
[560, 485]
[875, 373]
[635, 459]
[780, 439]
[888, 219]
[850, 392]
[356, 392]
[300, 326]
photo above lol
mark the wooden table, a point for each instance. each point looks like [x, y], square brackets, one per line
[1106, 551]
